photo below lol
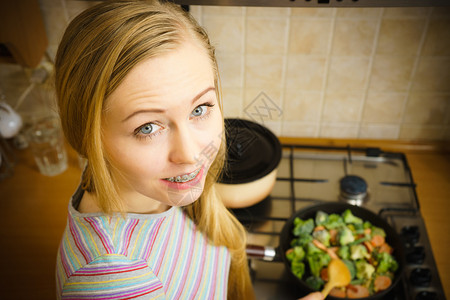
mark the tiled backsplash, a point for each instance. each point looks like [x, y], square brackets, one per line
[372, 73]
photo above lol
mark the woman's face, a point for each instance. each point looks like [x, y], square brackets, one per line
[162, 129]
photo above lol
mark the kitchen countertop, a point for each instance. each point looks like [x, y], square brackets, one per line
[33, 214]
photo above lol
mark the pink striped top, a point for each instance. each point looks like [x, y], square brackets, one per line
[159, 256]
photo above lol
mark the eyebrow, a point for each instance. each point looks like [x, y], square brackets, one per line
[157, 110]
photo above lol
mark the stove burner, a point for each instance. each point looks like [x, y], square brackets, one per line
[353, 190]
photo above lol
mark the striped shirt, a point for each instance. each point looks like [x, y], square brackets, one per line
[160, 256]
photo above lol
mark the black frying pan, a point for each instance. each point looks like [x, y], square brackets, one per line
[286, 237]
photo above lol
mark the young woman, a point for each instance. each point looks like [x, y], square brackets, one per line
[138, 93]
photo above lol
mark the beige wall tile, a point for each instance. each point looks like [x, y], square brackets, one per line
[342, 107]
[425, 108]
[384, 107]
[232, 102]
[358, 12]
[394, 12]
[309, 36]
[391, 73]
[347, 74]
[301, 106]
[55, 23]
[263, 105]
[432, 75]
[400, 36]
[230, 69]
[379, 131]
[299, 129]
[263, 71]
[268, 11]
[437, 41]
[313, 12]
[339, 130]
[421, 132]
[354, 37]
[223, 10]
[266, 35]
[305, 72]
[226, 33]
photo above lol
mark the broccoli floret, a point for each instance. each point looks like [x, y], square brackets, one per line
[345, 236]
[302, 227]
[344, 252]
[298, 268]
[296, 253]
[378, 231]
[321, 217]
[351, 267]
[364, 270]
[317, 261]
[315, 283]
[322, 236]
[367, 224]
[358, 252]
[311, 249]
[334, 221]
[385, 262]
[349, 218]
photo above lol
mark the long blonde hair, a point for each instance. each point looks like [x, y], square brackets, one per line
[98, 49]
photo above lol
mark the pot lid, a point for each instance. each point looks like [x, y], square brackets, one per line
[253, 151]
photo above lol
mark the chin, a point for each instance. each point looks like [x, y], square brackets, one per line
[184, 198]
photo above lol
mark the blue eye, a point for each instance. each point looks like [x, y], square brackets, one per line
[146, 129]
[199, 111]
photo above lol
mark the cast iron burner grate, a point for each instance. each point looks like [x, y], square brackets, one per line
[311, 174]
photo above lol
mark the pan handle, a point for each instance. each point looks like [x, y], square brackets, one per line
[261, 252]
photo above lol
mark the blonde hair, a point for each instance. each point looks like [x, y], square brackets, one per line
[98, 49]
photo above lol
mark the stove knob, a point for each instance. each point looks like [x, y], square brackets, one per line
[420, 277]
[424, 295]
[416, 255]
[411, 234]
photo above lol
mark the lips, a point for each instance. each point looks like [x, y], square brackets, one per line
[184, 181]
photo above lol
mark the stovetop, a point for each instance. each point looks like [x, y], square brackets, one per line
[311, 174]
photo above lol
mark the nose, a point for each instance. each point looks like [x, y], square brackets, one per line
[183, 148]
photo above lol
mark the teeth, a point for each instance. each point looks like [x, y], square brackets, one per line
[184, 178]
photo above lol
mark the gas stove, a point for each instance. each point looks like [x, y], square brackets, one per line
[379, 181]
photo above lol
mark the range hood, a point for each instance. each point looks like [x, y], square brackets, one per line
[318, 3]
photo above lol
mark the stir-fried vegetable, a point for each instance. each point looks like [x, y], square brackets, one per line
[360, 245]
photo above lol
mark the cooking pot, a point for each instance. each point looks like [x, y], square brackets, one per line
[392, 238]
[253, 155]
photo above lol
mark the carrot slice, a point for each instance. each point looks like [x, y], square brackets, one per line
[385, 248]
[357, 291]
[333, 236]
[381, 283]
[338, 292]
[368, 246]
[377, 240]
[319, 228]
[324, 248]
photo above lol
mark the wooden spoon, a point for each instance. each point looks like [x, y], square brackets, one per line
[338, 275]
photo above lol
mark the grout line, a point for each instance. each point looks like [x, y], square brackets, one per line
[414, 69]
[326, 71]
[243, 61]
[284, 68]
[369, 71]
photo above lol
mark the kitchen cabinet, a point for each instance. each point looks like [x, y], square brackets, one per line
[23, 39]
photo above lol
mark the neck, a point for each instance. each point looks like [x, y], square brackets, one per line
[89, 204]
